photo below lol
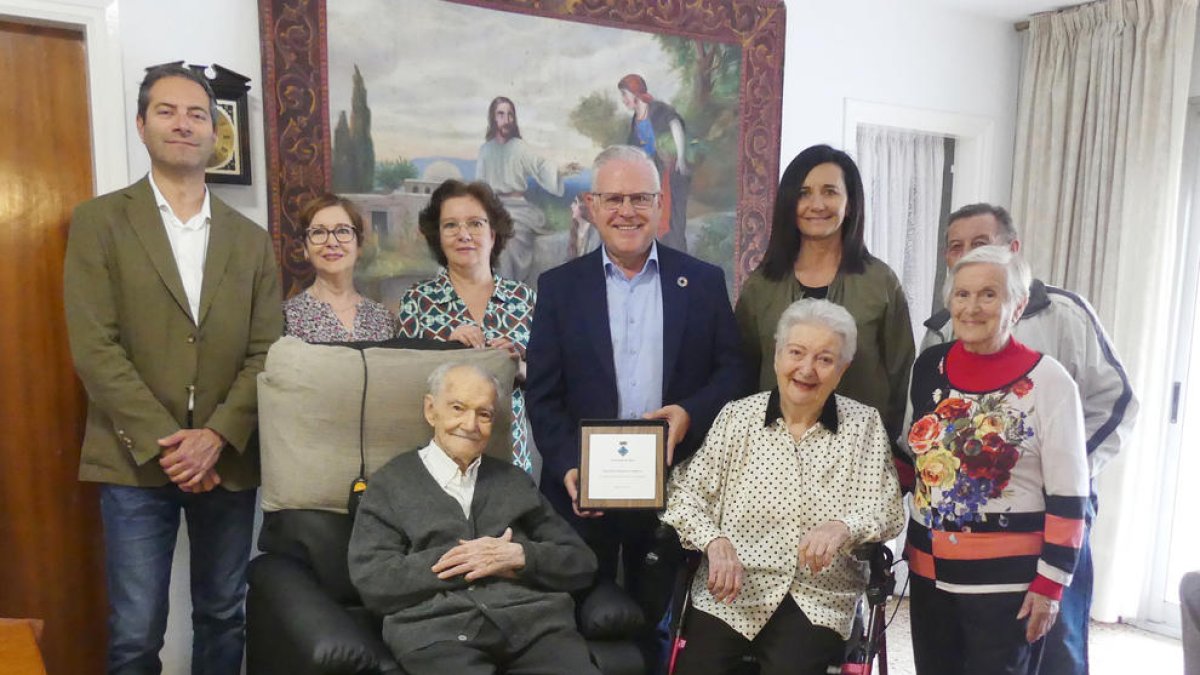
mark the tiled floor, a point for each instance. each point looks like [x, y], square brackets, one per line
[1116, 649]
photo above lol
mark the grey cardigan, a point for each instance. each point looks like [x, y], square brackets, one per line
[406, 522]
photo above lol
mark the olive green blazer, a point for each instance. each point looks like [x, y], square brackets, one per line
[140, 354]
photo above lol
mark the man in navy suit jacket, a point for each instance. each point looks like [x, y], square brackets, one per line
[633, 329]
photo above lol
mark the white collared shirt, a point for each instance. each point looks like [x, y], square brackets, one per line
[189, 244]
[458, 484]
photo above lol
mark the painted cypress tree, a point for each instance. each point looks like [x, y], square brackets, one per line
[344, 179]
[360, 134]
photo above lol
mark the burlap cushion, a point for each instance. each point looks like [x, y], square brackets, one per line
[309, 398]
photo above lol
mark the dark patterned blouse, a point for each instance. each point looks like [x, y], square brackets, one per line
[432, 309]
[313, 320]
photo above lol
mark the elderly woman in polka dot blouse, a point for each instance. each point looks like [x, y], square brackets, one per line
[786, 484]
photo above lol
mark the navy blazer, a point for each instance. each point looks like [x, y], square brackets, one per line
[570, 372]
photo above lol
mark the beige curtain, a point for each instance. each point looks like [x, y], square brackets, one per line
[1096, 164]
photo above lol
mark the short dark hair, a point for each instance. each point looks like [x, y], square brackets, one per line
[177, 69]
[324, 201]
[492, 129]
[784, 245]
[429, 221]
[1007, 229]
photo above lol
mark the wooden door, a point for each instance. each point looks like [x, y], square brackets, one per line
[51, 550]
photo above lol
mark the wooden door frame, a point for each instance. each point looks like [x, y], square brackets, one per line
[98, 21]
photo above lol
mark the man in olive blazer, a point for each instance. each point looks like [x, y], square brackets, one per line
[140, 355]
[172, 300]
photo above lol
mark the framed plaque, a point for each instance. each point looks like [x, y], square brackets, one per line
[622, 464]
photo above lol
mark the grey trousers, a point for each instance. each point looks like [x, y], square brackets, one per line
[1189, 605]
[561, 652]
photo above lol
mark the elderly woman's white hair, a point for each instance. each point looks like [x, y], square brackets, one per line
[1017, 275]
[823, 313]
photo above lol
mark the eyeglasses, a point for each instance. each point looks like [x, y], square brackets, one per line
[344, 234]
[474, 227]
[612, 201]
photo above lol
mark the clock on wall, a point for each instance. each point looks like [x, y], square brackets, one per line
[230, 162]
[225, 154]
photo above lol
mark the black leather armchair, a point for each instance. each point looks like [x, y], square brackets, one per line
[304, 617]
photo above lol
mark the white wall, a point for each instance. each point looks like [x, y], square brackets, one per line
[216, 31]
[906, 54]
[911, 54]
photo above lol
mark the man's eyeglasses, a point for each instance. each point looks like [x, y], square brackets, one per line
[613, 201]
[474, 227]
[319, 235]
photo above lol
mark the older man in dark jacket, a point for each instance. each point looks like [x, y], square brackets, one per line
[467, 561]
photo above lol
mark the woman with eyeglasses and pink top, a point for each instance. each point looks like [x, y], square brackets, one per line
[331, 309]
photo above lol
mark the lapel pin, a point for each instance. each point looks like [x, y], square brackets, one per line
[682, 281]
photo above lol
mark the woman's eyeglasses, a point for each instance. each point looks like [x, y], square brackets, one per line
[474, 227]
[320, 235]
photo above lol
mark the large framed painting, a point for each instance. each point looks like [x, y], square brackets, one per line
[382, 100]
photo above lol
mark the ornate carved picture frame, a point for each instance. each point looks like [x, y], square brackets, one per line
[299, 135]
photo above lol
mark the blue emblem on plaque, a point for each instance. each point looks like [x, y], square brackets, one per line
[622, 451]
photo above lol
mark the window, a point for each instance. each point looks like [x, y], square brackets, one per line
[379, 222]
[907, 177]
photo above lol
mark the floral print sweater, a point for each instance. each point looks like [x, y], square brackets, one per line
[1001, 471]
[313, 320]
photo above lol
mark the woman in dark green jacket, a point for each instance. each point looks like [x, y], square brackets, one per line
[816, 250]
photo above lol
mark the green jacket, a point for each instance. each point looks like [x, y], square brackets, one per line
[878, 376]
[137, 350]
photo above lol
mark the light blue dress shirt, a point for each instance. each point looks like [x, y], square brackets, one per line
[635, 322]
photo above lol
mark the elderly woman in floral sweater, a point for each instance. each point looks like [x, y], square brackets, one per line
[996, 432]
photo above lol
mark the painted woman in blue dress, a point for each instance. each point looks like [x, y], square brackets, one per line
[652, 121]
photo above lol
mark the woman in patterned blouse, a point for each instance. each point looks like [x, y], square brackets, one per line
[1001, 481]
[466, 228]
[786, 484]
[331, 309]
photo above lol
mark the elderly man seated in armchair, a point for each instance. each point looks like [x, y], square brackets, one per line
[470, 566]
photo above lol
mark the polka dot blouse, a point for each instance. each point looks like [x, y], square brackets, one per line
[755, 484]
